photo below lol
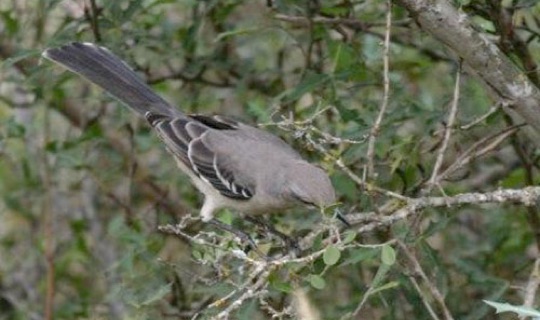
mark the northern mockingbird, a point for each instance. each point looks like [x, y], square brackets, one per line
[234, 165]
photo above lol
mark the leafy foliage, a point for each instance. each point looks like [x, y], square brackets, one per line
[96, 219]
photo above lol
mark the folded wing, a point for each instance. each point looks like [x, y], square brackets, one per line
[186, 137]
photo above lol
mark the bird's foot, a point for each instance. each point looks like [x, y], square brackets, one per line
[291, 245]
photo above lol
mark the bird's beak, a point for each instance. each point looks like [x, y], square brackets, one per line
[341, 217]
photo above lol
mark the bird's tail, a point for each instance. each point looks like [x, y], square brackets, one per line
[102, 67]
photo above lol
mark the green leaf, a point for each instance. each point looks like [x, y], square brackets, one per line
[520, 310]
[279, 284]
[349, 114]
[317, 243]
[331, 255]
[309, 83]
[345, 186]
[360, 254]
[283, 286]
[389, 285]
[226, 217]
[157, 294]
[14, 128]
[388, 255]
[349, 237]
[11, 24]
[380, 275]
[317, 281]
[239, 31]
[197, 255]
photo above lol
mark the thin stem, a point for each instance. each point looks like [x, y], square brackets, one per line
[435, 178]
[417, 269]
[386, 92]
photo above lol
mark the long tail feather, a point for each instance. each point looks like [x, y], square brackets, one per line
[102, 67]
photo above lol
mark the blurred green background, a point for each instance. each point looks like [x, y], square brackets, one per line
[84, 183]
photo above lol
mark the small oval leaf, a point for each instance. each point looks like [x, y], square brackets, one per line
[388, 255]
[317, 281]
[331, 255]
[349, 237]
[280, 285]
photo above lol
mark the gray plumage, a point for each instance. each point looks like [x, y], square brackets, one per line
[234, 165]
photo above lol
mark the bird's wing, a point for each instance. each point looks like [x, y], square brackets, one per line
[187, 139]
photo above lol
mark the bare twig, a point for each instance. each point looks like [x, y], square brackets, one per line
[483, 117]
[249, 289]
[528, 165]
[526, 196]
[304, 128]
[532, 285]
[417, 269]
[368, 186]
[478, 149]
[179, 230]
[424, 299]
[352, 23]
[255, 284]
[367, 28]
[453, 28]
[386, 92]
[92, 15]
[434, 180]
[287, 312]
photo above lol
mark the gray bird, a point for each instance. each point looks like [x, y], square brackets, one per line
[234, 165]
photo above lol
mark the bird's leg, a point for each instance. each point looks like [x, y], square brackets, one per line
[290, 243]
[244, 237]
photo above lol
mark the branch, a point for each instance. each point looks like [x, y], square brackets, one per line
[92, 15]
[448, 128]
[352, 23]
[423, 297]
[494, 109]
[489, 63]
[479, 148]
[384, 104]
[371, 221]
[416, 268]
[532, 285]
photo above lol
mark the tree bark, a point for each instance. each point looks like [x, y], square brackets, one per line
[504, 79]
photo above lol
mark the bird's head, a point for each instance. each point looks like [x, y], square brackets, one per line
[310, 185]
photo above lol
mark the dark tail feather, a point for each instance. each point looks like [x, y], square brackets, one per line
[103, 68]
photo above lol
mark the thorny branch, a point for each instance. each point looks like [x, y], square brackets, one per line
[255, 284]
[370, 221]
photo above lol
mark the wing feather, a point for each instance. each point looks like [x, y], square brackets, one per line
[185, 138]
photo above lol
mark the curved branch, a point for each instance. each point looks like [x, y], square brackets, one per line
[454, 28]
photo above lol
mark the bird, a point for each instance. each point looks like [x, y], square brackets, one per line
[233, 164]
